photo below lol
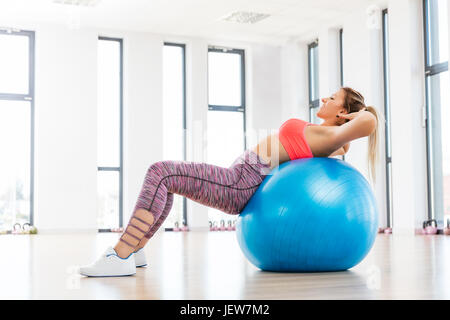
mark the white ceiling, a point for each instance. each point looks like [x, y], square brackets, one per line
[290, 19]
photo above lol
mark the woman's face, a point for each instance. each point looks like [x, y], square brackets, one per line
[332, 106]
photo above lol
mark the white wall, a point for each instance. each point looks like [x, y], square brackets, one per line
[143, 117]
[294, 80]
[329, 64]
[197, 106]
[66, 153]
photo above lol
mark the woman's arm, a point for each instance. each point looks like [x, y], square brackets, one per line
[341, 151]
[338, 152]
[361, 124]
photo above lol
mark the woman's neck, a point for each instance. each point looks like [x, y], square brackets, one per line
[328, 123]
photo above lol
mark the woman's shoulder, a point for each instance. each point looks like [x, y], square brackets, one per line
[298, 120]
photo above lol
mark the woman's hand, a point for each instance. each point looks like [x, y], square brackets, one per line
[351, 116]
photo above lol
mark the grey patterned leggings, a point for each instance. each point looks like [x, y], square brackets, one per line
[225, 189]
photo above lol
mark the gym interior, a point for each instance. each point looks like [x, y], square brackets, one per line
[92, 92]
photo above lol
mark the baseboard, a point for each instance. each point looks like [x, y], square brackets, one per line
[403, 231]
[67, 231]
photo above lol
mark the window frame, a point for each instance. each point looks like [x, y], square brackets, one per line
[341, 63]
[312, 103]
[120, 168]
[183, 47]
[341, 56]
[387, 112]
[430, 70]
[242, 107]
[29, 97]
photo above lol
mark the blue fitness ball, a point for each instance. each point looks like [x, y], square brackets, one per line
[309, 215]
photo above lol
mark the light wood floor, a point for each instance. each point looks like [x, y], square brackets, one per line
[210, 265]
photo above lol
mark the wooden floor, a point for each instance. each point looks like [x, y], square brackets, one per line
[210, 265]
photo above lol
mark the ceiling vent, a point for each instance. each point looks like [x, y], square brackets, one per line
[79, 3]
[245, 17]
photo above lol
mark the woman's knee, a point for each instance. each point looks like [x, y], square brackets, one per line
[157, 169]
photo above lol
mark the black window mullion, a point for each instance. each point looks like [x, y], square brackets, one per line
[341, 57]
[388, 160]
[314, 102]
[108, 168]
[436, 68]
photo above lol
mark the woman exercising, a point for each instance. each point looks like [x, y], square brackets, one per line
[346, 118]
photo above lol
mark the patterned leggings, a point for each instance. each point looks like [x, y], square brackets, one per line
[225, 189]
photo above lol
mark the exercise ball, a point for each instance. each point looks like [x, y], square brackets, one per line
[309, 215]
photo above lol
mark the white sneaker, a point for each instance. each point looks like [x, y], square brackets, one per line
[110, 265]
[139, 258]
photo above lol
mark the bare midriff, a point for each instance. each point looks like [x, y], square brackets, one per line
[272, 151]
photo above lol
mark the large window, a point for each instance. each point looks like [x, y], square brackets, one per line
[341, 63]
[109, 133]
[437, 108]
[174, 118]
[387, 112]
[16, 127]
[313, 71]
[341, 57]
[226, 113]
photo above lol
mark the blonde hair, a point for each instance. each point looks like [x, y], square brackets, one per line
[354, 102]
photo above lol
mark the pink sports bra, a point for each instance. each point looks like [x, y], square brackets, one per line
[291, 135]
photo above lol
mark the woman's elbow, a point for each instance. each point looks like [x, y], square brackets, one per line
[371, 124]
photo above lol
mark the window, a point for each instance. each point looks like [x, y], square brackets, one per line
[16, 128]
[387, 112]
[341, 64]
[109, 133]
[174, 115]
[341, 57]
[313, 71]
[437, 108]
[226, 113]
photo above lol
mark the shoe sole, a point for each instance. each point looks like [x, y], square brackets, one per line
[121, 275]
[142, 265]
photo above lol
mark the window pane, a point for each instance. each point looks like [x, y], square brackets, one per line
[314, 74]
[313, 114]
[14, 63]
[439, 100]
[224, 78]
[15, 146]
[225, 142]
[225, 137]
[108, 112]
[437, 31]
[173, 104]
[108, 199]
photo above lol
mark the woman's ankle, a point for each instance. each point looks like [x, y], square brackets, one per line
[123, 251]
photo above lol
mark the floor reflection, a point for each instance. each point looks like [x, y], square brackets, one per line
[210, 265]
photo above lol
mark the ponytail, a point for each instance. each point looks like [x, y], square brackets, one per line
[372, 153]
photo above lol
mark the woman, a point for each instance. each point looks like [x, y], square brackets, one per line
[346, 118]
